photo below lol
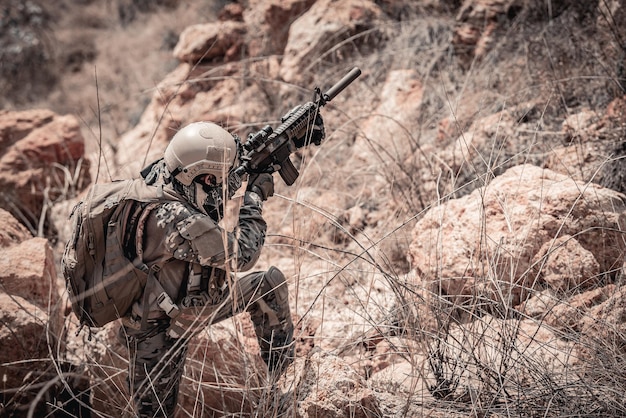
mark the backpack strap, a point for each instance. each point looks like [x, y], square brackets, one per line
[153, 290]
[154, 287]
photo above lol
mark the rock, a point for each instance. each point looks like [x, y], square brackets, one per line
[315, 35]
[478, 22]
[387, 136]
[462, 162]
[231, 11]
[567, 315]
[566, 266]
[221, 41]
[24, 336]
[605, 323]
[399, 377]
[225, 101]
[388, 141]
[12, 232]
[588, 138]
[28, 270]
[28, 70]
[100, 356]
[224, 373]
[461, 358]
[486, 245]
[570, 315]
[41, 160]
[270, 22]
[613, 170]
[327, 387]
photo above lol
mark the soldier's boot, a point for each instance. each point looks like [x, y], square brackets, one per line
[272, 322]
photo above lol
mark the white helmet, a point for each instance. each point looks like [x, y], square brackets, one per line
[201, 148]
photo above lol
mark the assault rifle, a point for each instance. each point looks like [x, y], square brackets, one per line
[269, 149]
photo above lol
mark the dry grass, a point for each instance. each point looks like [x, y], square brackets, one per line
[347, 263]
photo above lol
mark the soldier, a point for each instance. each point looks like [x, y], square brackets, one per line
[196, 284]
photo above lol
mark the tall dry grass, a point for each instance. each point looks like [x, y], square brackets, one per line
[470, 363]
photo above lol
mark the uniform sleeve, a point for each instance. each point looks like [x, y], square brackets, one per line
[251, 231]
[195, 237]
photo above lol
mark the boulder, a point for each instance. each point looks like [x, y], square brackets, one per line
[220, 41]
[317, 35]
[28, 71]
[386, 148]
[223, 100]
[24, 348]
[566, 266]
[41, 161]
[490, 245]
[478, 22]
[28, 270]
[12, 231]
[224, 373]
[388, 135]
[269, 23]
[526, 354]
[605, 323]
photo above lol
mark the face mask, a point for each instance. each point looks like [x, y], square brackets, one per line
[209, 200]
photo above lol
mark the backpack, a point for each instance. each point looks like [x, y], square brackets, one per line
[102, 281]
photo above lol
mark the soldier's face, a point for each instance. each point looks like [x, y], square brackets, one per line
[207, 180]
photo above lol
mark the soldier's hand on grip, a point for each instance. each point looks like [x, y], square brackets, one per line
[261, 184]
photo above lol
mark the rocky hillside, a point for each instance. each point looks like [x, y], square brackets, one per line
[454, 248]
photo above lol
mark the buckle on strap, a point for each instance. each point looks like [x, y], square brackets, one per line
[167, 305]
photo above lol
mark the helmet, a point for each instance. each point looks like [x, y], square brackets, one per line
[200, 148]
[196, 151]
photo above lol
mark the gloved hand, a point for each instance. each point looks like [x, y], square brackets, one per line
[261, 184]
[316, 137]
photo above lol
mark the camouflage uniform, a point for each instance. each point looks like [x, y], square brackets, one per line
[196, 277]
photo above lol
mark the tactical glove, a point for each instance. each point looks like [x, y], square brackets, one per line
[261, 184]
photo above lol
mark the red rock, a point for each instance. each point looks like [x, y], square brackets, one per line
[28, 270]
[40, 153]
[485, 245]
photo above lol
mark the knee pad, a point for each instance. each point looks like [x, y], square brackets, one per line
[275, 282]
[274, 277]
[275, 303]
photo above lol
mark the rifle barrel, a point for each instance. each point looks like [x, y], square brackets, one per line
[341, 84]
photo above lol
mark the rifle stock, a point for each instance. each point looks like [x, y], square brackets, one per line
[269, 149]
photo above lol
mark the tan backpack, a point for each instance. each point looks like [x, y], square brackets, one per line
[102, 282]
